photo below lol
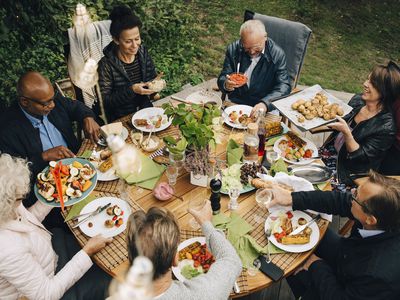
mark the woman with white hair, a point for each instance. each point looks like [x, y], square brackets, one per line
[29, 267]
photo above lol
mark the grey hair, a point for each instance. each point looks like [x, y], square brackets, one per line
[14, 184]
[253, 26]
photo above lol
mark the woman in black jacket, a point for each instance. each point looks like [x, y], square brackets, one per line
[363, 136]
[126, 68]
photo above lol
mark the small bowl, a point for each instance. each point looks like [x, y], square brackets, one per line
[157, 85]
[238, 78]
[153, 145]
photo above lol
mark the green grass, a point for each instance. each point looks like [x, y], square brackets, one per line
[349, 36]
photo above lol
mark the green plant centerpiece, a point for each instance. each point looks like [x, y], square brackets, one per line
[195, 124]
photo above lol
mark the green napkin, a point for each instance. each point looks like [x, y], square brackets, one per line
[148, 176]
[278, 166]
[237, 233]
[272, 141]
[86, 154]
[321, 186]
[76, 208]
[234, 153]
[274, 250]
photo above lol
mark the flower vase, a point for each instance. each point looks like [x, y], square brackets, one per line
[198, 179]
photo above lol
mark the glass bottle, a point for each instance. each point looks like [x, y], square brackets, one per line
[261, 132]
[251, 142]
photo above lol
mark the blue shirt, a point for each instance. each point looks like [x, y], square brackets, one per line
[50, 136]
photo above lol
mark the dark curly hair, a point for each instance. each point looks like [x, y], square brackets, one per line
[123, 18]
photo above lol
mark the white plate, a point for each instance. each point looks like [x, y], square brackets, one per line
[98, 221]
[285, 106]
[245, 110]
[202, 97]
[109, 175]
[314, 238]
[147, 113]
[303, 161]
[124, 136]
[182, 263]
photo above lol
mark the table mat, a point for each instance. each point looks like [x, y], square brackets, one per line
[242, 279]
[113, 254]
[282, 260]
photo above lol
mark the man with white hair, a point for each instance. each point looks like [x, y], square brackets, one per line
[264, 64]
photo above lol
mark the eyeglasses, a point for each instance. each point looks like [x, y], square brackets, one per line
[43, 104]
[354, 195]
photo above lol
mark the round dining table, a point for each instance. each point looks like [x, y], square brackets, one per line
[114, 258]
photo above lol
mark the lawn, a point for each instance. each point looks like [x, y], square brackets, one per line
[348, 38]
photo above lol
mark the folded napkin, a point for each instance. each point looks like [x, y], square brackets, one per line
[234, 153]
[148, 176]
[237, 233]
[86, 154]
[272, 141]
[76, 208]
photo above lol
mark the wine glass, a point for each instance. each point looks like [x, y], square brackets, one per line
[234, 194]
[196, 203]
[263, 197]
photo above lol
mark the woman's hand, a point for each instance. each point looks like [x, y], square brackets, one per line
[142, 88]
[341, 126]
[95, 244]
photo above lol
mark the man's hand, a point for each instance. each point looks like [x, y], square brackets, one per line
[95, 244]
[231, 85]
[57, 153]
[91, 129]
[307, 264]
[280, 196]
[203, 215]
[257, 107]
[142, 88]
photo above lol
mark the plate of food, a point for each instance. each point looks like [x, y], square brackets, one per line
[102, 160]
[110, 129]
[151, 119]
[194, 259]
[238, 176]
[238, 116]
[204, 97]
[282, 223]
[312, 107]
[295, 150]
[78, 177]
[110, 222]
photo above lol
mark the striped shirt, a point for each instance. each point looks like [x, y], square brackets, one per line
[133, 71]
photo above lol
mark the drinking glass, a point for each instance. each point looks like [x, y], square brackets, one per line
[196, 203]
[172, 174]
[272, 156]
[234, 194]
[263, 197]
[177, 159]
[252, 267]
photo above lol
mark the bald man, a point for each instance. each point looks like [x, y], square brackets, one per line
[39, 126]
[262, 61]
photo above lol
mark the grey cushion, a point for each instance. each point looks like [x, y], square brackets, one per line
[291, 36]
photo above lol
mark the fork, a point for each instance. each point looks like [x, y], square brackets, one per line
[159, 152]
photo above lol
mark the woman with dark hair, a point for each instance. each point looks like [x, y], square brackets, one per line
[391, 163]
[363, 136]
[126, 68]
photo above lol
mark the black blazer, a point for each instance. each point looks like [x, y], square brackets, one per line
[365, 268]
[19, 138]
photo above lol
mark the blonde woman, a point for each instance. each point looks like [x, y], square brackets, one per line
[29, 266]
[155, 234]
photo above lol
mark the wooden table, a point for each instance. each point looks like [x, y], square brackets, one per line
[143, 199]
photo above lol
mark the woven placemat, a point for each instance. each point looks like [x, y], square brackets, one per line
[242, 279]
[283, 260]
[113, 254]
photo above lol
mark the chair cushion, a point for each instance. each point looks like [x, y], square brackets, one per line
[291, 36]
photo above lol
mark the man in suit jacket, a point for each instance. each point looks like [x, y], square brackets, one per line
[364, 265]
[39, 126]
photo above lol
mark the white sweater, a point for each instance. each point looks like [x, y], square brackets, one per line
[28, 261]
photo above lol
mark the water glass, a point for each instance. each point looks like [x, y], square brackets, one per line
[252, 267]
[272, 156]
[177, 159]
[172, 174]
[196, 203]
[263, 197]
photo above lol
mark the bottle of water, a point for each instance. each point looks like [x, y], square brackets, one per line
[251, 142]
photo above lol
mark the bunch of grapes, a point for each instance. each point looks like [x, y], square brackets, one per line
[249, 170]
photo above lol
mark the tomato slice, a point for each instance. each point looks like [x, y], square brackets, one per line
[289, 214]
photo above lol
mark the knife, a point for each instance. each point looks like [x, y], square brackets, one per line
[302, 227]
[236, 288]
[95, 213]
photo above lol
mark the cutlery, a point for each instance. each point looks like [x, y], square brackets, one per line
[236, 288]
[146, 143]
[302, 227]
[157, 153]
[92, 214]
[268, 233]
[313, 157]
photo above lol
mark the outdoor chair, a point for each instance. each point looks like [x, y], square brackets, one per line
[291, 36]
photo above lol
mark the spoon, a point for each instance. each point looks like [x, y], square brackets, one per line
[146, 143]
